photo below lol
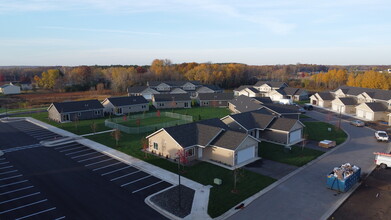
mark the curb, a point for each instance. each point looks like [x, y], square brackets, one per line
[160, 210]
[280, 181]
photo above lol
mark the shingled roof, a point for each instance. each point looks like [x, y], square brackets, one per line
[271, 84]
[244, 103]
[76, 106]
[240, 88]
[283, 124]
[137, 89]
[348, 100]
[255, 119]
[229, 139]
[373, 93]
[216, 96]
[326, 96]
[377, 106]
[171, 97]
[127, 100]
[282, 109]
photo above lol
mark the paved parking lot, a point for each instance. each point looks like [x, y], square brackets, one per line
[69, 181]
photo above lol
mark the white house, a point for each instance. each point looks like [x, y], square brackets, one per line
[8, 89]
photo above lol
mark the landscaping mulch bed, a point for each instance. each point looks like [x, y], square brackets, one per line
[169, 200]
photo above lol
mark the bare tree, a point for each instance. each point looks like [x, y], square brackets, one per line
[93, 127]
[116, 135]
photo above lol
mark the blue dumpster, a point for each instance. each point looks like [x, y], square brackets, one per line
[343, 185]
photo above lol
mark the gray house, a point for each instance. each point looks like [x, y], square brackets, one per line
[125, 105]
[144, 91]
[75, 110]
[162, 101]
[215, 99]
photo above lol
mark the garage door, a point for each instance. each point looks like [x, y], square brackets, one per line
[246, 154]
[294, 136]
[360, 113]
[369, 115]
[335, 107]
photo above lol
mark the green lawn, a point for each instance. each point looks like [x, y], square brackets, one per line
[147, 121]
[302, 102]
[204, 173]
[297, 156]
[304, 116]
[201, 113]
[318, 131]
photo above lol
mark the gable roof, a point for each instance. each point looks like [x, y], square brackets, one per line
[75, 106]
[271, 84]
[178, 91]
[214, 88]
[291, 91]
[326, 95]
[173, 83]
[348, 100]
[240, 88]
[255, 119]
[229, 139]
[136, 89]
[283, 124]
[282, 109]
[127, 100]
[373, 93]
[171, 97]
[376, 106]
[216, 96]
[244, 103]
[254, 90]
[263, 99]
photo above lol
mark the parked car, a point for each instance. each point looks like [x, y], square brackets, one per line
[308, 107]
[381, 136]
[383, 160]
[357, 123]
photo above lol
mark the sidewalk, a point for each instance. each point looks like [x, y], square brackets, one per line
[201, 197]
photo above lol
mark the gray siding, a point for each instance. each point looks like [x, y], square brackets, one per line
[178, 104]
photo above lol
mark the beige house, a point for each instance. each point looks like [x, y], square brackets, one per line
[268, 86]
[163, 101]
[344, 105]
[250, 92]
[372, 111]
[125, 105]
[209, 140]
[322, 99]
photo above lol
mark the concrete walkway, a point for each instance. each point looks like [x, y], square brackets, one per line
[303, 193]
[201, 197]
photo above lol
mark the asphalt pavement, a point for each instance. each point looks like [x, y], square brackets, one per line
[69, 181]
[304, 195]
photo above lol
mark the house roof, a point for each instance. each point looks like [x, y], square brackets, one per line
[178, 91]
[172, 83]
[282, 109]
[326, 96]
[263, 99]
[240, 88]
[254, 90]
[244, 104]
[127, 100]
[171, 97]
[376, 106]
[348, 100]
[291, 91]
[271, 84]
[216, 96]
[229, 139]
[213, 87]
[7, 85]
[283, 124]
[254, 119]
[76, 106]
[137, 89]
[374, 93]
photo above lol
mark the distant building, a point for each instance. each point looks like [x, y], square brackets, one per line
[162, 101]
[125, 105]
[9, 89]
[215, 99]
[75, 110]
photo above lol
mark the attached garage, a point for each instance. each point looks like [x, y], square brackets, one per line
[295, 136]
[246, 154]
[360, 113]
[372, 111]
[369, 116]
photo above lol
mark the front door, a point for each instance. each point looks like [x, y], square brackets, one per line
[65, 117]
[199, 153]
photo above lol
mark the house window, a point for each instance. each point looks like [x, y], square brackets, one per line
[155, 146]
[79, 114]
[190, 152]
[97, 112]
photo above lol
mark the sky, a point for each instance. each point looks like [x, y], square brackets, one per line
[254, 32]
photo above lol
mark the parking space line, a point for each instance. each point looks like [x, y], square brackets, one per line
[128, 174]
[84, 154]
[91, 158]
[110, 165]
[136, 180]
[11, 177]
[2, 159]
[76, 152]
[12, 171]
[16, 190]
[69, 149]
[73, 145]
[6, 167]
[23, 206]
[4, 163]
[60, 218]
[14, 183]
[98, 162]
[22, 197]
[37, 213]
[147, 186]
[116, 170]
[45, 136]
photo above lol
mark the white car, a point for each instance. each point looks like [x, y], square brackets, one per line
[381, 136]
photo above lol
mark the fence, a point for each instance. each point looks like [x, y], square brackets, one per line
[113, 123]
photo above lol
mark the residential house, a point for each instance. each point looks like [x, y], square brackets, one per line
[243, 104]
[125, 105]
[75, 110]
[208, 140]
[250, 92]
[372, 111]
[144, 91]
[9, 89]
[344, 105]
[214, 99]
[322, 99]
[267, 127]
[268, 86]
[162, 101]
[364, 94]
[280, 110]
[240, 88]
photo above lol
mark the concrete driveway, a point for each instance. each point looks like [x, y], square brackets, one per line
[304, 195]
